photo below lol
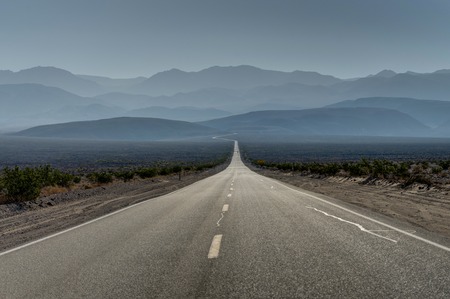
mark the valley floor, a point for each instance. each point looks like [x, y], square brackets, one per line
[19, 224]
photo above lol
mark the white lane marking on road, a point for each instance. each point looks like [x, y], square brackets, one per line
[215, 247]
[229, 195]
[225, 208]
[368, 218]
[271, 187]
[355, 224]
[231, 189]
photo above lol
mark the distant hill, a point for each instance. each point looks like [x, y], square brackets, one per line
[435, 86]
[324, 121]
[429, 112]
[179, 113]
[293, 94]
[238, 77]
[25, 105]
[51, 76]
[78, 113]
[218, 98]
[113, 84]
[25, 99]
[123, 128]
[443, 130]
[246, 87]
[385, 74]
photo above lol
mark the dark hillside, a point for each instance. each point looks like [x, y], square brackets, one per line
[123, 128]
[325, 121]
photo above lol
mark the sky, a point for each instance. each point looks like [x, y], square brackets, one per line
[129, 38]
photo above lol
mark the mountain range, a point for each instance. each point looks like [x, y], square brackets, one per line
[48, 95]
[309, 122]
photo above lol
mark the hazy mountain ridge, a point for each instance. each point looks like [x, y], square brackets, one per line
[111, 84]
[235, 77]
[325, 121]
[191, 114]
[26, 105]
[360, 121]
[123, 128]
[53, 77]
[430, 112]
[21, 99]
[434, 86]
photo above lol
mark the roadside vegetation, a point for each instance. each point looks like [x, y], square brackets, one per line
[24, 184]
[431, 173]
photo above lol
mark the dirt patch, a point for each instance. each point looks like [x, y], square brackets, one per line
[23, 222]
[421, 205]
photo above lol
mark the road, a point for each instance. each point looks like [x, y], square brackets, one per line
[233, 235]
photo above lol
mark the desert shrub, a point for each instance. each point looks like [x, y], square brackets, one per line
[445, 164]
[26, 184]
[259, 162]
[147, 172]
[125, 175]
[437, 169]
[402, 170]
[177, 168]
[21, 184]
[164, 171]
[100, 177]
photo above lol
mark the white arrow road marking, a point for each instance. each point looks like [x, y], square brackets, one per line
[215, 247]
[355, 224]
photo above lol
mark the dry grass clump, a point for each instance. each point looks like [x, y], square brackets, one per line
[50, 190]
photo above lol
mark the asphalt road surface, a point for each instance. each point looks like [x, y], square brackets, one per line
[233, 235]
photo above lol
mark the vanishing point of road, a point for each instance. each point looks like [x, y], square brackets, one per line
[233, 235]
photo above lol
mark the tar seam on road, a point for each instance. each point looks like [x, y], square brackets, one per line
[221, 217]
[215, 247]
[355, 224]
[368, 218]
[224, 209]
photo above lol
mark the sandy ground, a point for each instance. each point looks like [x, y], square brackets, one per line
[19, 224]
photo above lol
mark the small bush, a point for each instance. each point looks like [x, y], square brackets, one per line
[21, 185]
[147, 173]
[101, 177]
[126, 175]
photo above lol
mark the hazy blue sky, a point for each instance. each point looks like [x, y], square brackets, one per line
[345, 38]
